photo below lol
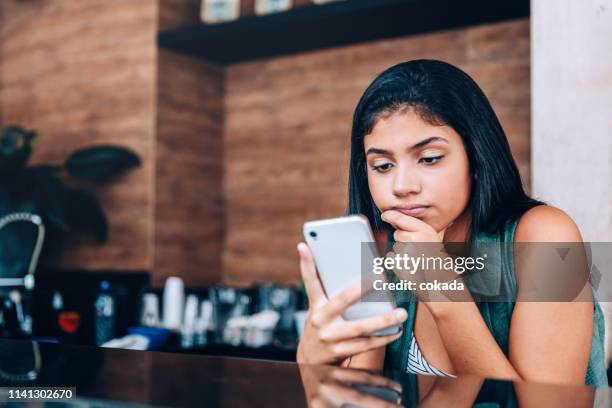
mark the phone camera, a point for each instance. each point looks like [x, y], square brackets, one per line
[313, 234]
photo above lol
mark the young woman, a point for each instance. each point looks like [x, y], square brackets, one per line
[431, 163]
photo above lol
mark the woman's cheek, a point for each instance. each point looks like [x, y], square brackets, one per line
[379, 191]
[449, 196]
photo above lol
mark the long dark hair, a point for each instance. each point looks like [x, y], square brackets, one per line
[442, 94]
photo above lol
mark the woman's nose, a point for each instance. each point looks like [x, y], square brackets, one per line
[406, 183]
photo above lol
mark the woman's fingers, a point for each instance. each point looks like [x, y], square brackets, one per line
[404, 222]
[337, 304]
[340, 395]
[363, 327]
[314, 290]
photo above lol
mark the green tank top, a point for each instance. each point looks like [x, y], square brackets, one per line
[497, 317]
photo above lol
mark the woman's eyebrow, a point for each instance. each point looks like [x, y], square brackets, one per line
[374, 150]
[427, 141]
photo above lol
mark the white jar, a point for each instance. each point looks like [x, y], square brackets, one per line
[272, 6]
[218, 11]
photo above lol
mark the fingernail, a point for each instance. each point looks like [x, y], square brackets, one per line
[400, 314]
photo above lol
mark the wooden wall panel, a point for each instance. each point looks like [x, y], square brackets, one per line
[188, 205]
[81, 73]
[178, 13]
[188, 164]
[287, 126]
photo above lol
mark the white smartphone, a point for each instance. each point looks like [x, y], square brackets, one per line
[336, 245]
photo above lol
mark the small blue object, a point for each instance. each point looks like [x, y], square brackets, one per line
[53, 340]
[157, 336]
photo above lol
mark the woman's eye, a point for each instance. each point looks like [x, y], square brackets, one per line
[430, 160]
[382, 167]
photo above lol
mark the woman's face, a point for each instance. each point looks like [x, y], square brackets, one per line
[417, 168]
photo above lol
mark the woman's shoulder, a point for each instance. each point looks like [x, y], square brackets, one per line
[545, 223]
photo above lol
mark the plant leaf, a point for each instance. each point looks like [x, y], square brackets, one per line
[85, 213]
[15, 149]
[34, 178]
[53, 199]
[42, 170]
[100, 163]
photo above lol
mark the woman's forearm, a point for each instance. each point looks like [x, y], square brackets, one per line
[372, 360]
[468, 342]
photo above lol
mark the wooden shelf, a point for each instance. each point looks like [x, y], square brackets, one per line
[318, 27]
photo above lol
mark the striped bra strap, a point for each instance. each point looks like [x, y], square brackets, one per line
[417, 363]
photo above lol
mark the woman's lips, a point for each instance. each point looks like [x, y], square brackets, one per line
[413, 211]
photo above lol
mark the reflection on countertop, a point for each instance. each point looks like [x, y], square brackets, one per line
[169, 379]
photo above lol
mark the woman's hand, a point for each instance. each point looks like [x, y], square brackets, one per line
[411, 229]
[327, 386]
[415, 238]
[329, 339]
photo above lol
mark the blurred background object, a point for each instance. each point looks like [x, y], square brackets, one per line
[263, 7]
[42, 190]
[219, 11]
[16, 285]
[571, 126]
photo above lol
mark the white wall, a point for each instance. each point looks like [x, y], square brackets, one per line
[571, 60]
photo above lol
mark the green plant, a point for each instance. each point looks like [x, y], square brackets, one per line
[43, 188]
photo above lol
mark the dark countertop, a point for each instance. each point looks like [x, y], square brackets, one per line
[116, 377]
